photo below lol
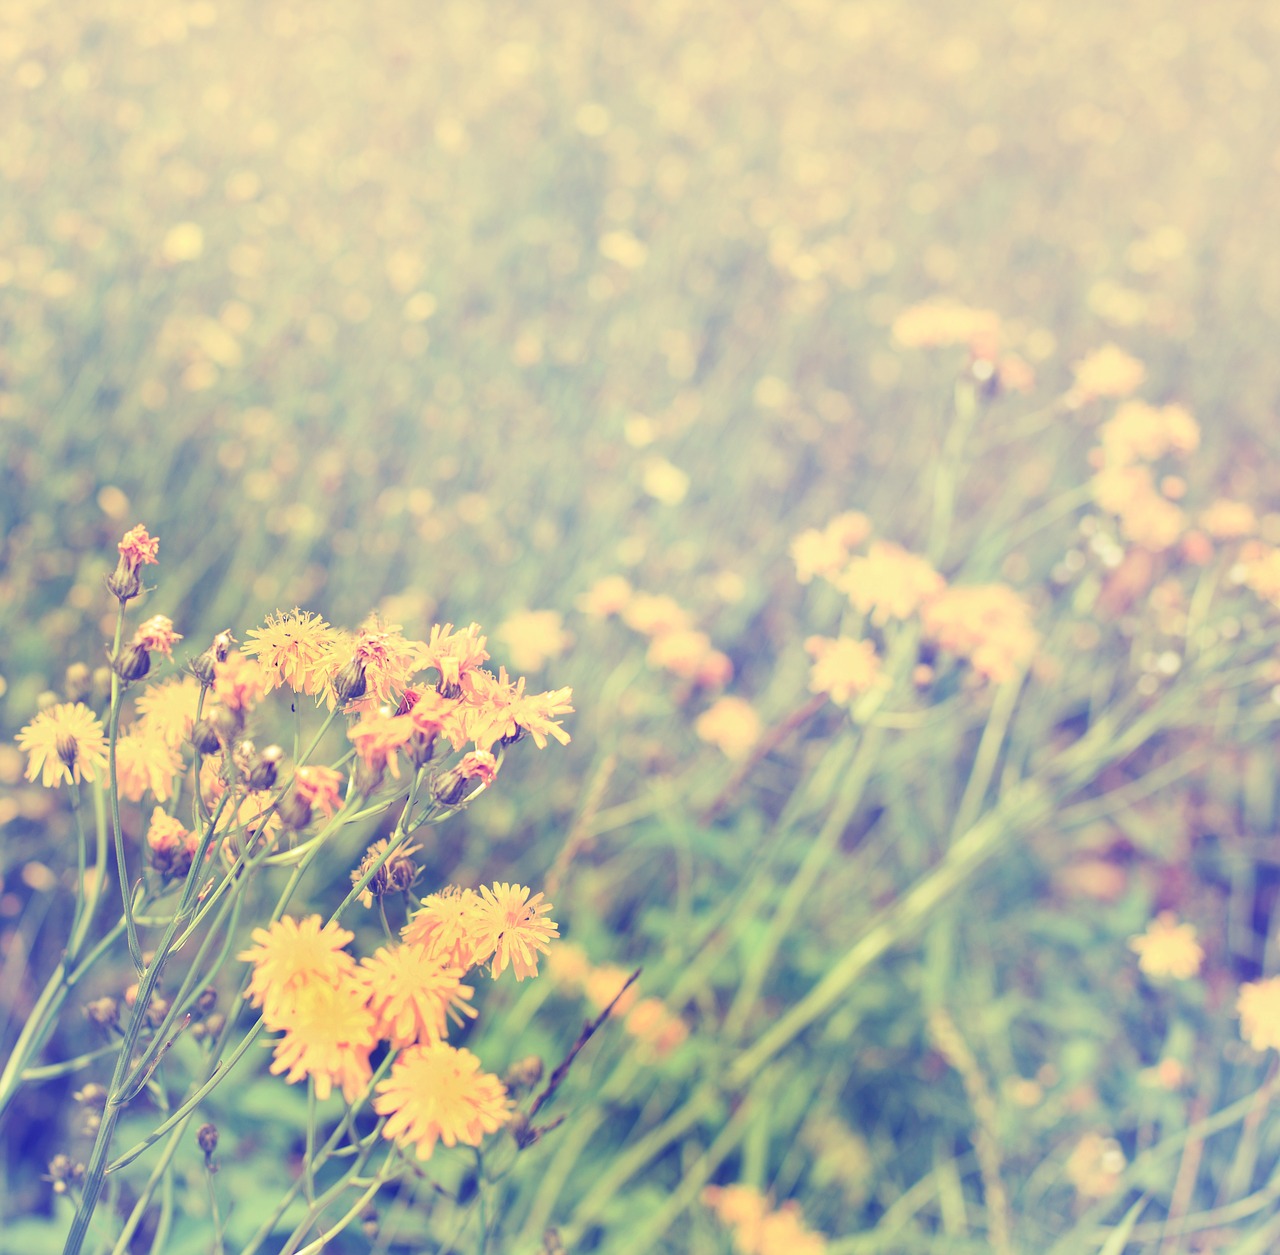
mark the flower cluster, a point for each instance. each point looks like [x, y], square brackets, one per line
[1168, 949]
[649, 1020]
[758, 1228]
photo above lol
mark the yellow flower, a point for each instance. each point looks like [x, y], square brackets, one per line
[446, 925]
[290, 956]
[1139, 432]
[328, 1035]
[940, 322]
[1259, 570]
[1146, 518]
[384, 658]
[240, 682]
[681, 652]
[320, 787]
[168, 710]
[889, 582]
[843, 668]
[730, 724]
[413, 996]
[651, 614]
[66, 742]
[1168, 948]
[987, 624]
[1108, 372]
[1229, 520]
[438, 1093]
[166, 835]
[295, 648]
[378, 737]
[824, 552]
[533, 638]
[758, 1229]
[453, 655]
[146, 763]
[509, 926]
[1258, 1007]
[607, 596]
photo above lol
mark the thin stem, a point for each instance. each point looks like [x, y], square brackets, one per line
[113, 735]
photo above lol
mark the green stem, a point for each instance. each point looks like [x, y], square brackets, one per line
[113, 735]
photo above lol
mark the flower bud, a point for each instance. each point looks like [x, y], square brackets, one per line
[104, 1012]
[205, 1002]
[420, 748]
[131, 663]
[204, 736]
[221, 646]
[448, 787]
[262, 775]
[524, 1073]
[207, 1140]
[124, 583]
[349, 684]
[294, 811]
[204, 668]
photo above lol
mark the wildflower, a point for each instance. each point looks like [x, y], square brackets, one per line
[758, 1229]
[240, 682]
[1107, 372]
[817, 553]
[291, 955]
[568, 966]
[607, 596]
[1168, 948]
[652, 614]
[1259, 570]
[146, 763]
[536, 714]
[413, 996]
[889, 582]
[384, 661]
[533, 638]
[1229, 520]
[1258, 1007]
[681, 652]
[328, 1035]
[938, 323]
[843, 668]
[157, 634]
[319, 787]
[1095, 1165]
[65, 742]
[432, 715]
[393, 875]
[652, 1023]
[167, 711]
[438, 1093]
[603, 984]
[714, 671]
[453, 655]
[139, 548]
[730, 724]
[447, 924]
[1139, 432]
[1146, 518]
[295, 648]
[987, 624]
[502, 711]
[509, 926]
[166, 835]
[378, 737]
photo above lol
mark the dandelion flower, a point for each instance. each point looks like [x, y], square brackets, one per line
[328, 1035]
[65, 742]
[817, 552]
[146, 763]
[291, 955]
[385, 661]
[240, 682]
[139, 547]
[1258, 1007]
[889, 582]
[990, 625]
[940, 322]
[453, 654]
[510, 927]
[1168, 948]
[446, 924]
[413, 996]
[730, 724]
[1108, 372]
[168, 710]
[437, 1093]
[533, 638]
[157, 634]
[681, 652]
[295, 648]
[378, 737]
[843, 668]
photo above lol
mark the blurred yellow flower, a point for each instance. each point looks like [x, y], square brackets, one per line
[328, 1035]
[1094, 1165]
[1139, 432]
[664, 481]
[731, 725]
[533, 638]
[146, 763]
[1168, 948]
[168, 710]
[64, 743]
[1258, 1006]
[1108, 372]
[652, 614]
[681, 652]
[889, 582]
[843, 668]
[438, 1093]
[825, 551]
[757, 1228]
[607, 596]
[183, 242]
[1146, 517]
[1229, 520]
[157, 633]
[987, 624]
[941, 322]
[1259, 570]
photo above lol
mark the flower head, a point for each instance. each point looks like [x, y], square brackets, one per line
[533, 638]
[139, 548]
[889, 582]
[1108, 372]
[385, 661]
[240, 682]
[378, 737]
[454, 654]
[682, 652]
[146, 763]
[652, 614]
[843, 668]
[296, 648]
[1168, 948]
[731, 724]
[607, 596]
[291, 955]
[987, 624]
[1258, 1007]
[447, 924]
[168, 710]
[328, 1035]
[510, 927]
[940, 322]
[413, 996]
[157, 633]
[64, 743]
[320, 787]
[436, 1093]
[1139, 432]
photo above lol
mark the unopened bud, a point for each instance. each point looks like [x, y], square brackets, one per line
[204, 668]
[368, 776]
[294, 812]
[420, 748]
[262, 775]
[204, 736]
[78, 682]
[104, 1012]
[222, 643]
[131, 663]
[349, 684]
[47, 700]
[524, 1073]
[124, 583]
[207, 1140]
[449, 787]
[207, 1000]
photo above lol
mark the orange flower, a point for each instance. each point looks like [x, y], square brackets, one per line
[1258, 1007]
[446, 924]
[453, 654]
[319, 787]
[607, 596]
[1168, 948]
[988, 624]
[292, 955]
[651, 614]
[1108, 372]
[509, 926]
[1139, 432]
[824, 552]
[682, 652]
[328, 1035]
[413, 996]
[843, 668]
[139, 548]
[889, 582]
[157, 633]
[240, 682]
[730, 724]
[652, 1023]
[66, 742]
[146, 762]
[759, 1230]
[168, 710]
[533, 638]
[602, 985]
[385, 659]
[296, 648]
[438, 1093]
[377, 737]
[1229, 520]
[166, 835]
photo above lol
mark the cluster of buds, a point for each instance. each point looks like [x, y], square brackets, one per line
[64, 1172]
[396, 875]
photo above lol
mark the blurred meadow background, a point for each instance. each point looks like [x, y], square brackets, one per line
[456, 310]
